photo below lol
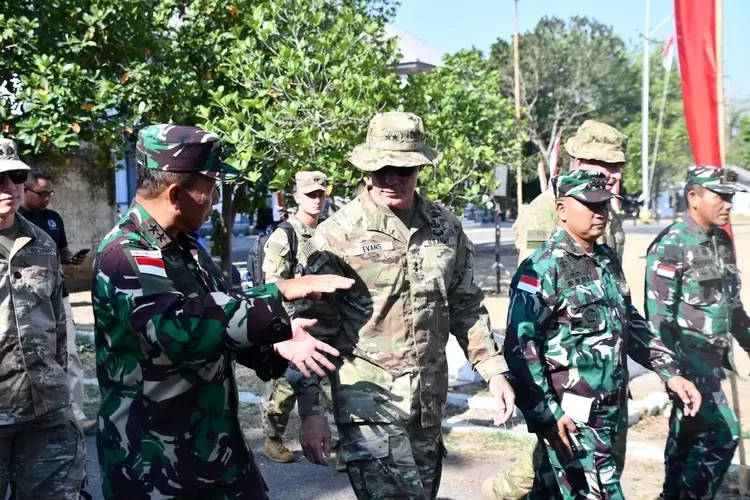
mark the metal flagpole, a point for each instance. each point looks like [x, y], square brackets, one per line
[519, 178]
[645, 214]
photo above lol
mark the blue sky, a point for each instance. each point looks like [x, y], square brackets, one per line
[452, 25]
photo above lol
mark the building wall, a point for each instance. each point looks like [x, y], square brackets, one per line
[85, 198]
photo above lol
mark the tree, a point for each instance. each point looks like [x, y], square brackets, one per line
[75, 71]
[569, 72]
[739, 146]
[469, 121]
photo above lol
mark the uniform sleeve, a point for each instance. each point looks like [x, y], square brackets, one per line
[664, 270]
[184, 328]
[316, 258]
[532, 302]
[276, 262]
[740, 320]
[61, 325]
[647, 349]
[469, 320]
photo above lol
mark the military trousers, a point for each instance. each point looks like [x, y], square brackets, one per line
[43, 459]
[518, 482]
[700, 449]
[591, 475]
[278, 402]
[396, 461]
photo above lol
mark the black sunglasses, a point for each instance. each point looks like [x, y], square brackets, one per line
[400, 171]
[15, 176]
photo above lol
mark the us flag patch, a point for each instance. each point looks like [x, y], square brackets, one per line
[528, 284]
[149, 262]
[665, 271]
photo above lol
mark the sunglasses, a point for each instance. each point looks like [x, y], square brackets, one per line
[15, 176]
[400, 171]
[41, 194]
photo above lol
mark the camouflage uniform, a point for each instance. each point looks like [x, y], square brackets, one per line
[693, 301]
[571, 325]
[41, 445]
[278, 400]
[414, 286]
[536, 224]
[167, 331]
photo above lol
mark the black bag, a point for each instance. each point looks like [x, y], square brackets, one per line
[258, 254]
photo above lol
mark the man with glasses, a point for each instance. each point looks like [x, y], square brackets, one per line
[38, 191]
[414, 284]
[168, 328]
[41, 446]
[280, 259]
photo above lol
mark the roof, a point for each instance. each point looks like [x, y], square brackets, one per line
[414, 52]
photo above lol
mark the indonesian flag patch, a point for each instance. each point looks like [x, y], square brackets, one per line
[149, 262]
[528, 284]
[665, 271]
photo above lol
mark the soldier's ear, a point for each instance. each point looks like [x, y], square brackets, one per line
[173, 193]
[562, 211]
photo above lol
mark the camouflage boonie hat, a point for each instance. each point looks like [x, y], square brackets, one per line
[174, 148]
[583, 185]
[308, 182]
[597, 141]
[9, 159]
[712, 178]
[394, 139]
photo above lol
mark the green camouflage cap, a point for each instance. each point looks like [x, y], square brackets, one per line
[174, 148]
[597, 141]
[393, 139]
[712, 178]
[583, 185]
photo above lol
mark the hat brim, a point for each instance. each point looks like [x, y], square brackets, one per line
[725, 189]
[587, 152]
[599, 196]
[8, 165]
[312, 188]
[370, 159]
[224, 172]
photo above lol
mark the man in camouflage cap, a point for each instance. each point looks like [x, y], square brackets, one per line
[280, 258]
[168, 328]
[596, 147]
[413, 267]
[693, 301]
[41, 445]
[571, 325]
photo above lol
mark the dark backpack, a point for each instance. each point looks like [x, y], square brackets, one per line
[256, 257]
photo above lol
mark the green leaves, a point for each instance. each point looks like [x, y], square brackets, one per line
[469, 121]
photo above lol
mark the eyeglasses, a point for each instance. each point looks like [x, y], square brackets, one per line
[41, 194]
[400, 171]
[15, 176]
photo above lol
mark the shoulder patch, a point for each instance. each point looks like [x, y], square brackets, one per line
[529, 284]
[149, 262]
[665, 271]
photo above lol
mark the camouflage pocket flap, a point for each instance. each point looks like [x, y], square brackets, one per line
[584, 309]
[365, 447]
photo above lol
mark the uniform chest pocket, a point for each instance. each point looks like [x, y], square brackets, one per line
[705, 286]
[39, 280]
[584, 310]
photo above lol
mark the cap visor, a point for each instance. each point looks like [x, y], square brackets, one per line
[224, 172]
[312, 189]
[597, 197]
[8, 165]
[724, 189]
[369, 159]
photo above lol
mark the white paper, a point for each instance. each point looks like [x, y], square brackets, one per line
[577, 407]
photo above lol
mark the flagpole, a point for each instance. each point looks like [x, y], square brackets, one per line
[517, 71]
[720, 78]
[645, 215]
[661, 120]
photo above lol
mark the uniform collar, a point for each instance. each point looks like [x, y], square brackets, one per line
[301, 228]
[571, 246]
[151, 231]
[375, 216]
[697, 230]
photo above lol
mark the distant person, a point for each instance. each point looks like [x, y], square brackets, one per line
[41, 446]
[280, 257]
[38, 192]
